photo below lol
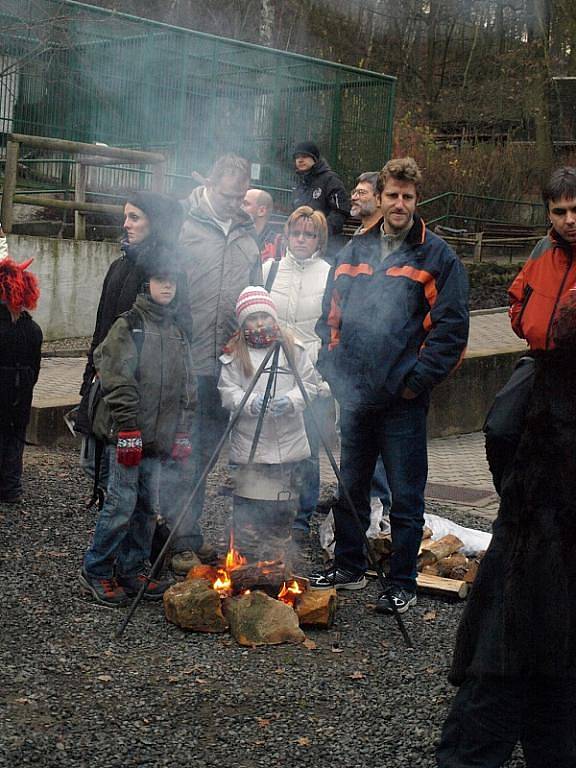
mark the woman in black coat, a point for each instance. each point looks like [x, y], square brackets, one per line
[152, 225]
[515, 654]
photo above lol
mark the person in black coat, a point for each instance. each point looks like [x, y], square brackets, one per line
[20, 345]
[152, 225]
[319, 187]
[515, 654]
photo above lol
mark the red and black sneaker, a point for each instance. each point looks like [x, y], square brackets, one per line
[154, 589]
[106, 592]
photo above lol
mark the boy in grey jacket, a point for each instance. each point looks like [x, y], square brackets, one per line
[144, 416]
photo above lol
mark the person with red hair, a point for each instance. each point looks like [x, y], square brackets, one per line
[20, 344]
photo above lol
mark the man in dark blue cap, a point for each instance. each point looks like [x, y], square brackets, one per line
[319, 187]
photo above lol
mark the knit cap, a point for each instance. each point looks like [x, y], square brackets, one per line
[307, 148]
[254, 299]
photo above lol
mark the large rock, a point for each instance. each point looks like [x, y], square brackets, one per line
[194, 605]
[256, 619]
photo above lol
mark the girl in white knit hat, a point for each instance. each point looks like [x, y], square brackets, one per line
[265, 490]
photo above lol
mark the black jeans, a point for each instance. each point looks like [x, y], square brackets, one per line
[12, 443]
[398, 434]
[490, 716]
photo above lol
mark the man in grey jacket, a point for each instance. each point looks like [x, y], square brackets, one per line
[221, 258]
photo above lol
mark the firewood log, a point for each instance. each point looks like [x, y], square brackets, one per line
[447, 564]
[471, 571]
[381, 545]
[432, 551]
[208, 572]
[317, 608]
[431, 569]
[438, 585]
[194, 605]
[426, 533]
[257, 619]
[268, 576]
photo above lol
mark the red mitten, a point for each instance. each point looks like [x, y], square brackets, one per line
[129, 448]
[182, 447]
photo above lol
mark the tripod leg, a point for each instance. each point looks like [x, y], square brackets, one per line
[375, 564]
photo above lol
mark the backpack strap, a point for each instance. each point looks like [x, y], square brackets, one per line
[278, 253]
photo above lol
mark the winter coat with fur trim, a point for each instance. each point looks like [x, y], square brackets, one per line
[520, 618]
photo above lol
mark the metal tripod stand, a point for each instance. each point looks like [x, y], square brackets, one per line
[273, 356]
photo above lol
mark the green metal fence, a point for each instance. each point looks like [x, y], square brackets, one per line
[78, 72]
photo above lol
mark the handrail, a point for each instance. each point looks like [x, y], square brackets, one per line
[89, 154]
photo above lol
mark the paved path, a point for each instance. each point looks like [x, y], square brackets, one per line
[458, 474]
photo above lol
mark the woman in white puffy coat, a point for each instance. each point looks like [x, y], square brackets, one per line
[296, 284]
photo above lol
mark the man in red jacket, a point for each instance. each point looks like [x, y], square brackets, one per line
[543, 283]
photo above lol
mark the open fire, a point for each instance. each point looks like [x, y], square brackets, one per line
[236, 577]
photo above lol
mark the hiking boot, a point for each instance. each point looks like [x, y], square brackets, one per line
[338, 578]
[397, 596]
[132, 585]
[182, 562]
[106, 592]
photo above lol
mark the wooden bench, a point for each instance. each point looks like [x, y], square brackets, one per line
[514, 239]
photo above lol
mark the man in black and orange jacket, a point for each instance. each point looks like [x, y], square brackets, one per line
[394, 324]
[544, 282]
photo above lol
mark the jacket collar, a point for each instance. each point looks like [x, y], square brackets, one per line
[570, 248]
[198, 208]
[416, 236]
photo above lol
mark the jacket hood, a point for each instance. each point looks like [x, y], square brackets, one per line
[320, 167]
[196, 206]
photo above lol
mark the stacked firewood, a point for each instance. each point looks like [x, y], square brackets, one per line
[442, 567]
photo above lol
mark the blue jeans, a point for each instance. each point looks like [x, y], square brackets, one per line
[397, 433]
[125, 526]
[179, 478]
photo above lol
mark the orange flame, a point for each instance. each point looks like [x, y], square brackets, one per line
[223, 584]
[233, 558]
[288, 593]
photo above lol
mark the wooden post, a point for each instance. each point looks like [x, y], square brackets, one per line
[80, 197]
[158, 175]
[10, 179]
[478, 246]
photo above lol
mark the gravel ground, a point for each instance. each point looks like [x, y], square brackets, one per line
[75, 696]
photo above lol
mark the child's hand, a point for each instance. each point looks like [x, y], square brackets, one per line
[280, 406]
[182, 447]
[129, 448]
[257, 404]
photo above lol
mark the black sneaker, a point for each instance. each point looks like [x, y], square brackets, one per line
[397, 596]
[106, 592]
[132, 585]
[338, 578]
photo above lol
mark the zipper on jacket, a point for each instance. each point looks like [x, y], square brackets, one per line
[529, 291]
[558, 295]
